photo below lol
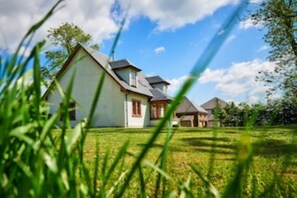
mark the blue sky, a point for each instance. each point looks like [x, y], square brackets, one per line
[162, 38]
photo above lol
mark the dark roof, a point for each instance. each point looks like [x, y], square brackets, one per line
[102, 61]
[156, 80]
[158, 94]
[213, 103]
[120, 64]
[187, 106]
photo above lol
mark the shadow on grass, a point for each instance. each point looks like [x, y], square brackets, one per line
[212, 144]
[273, 147]
[160, 146]
[265, 148]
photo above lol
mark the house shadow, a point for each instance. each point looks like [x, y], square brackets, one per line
[266, 148]
[215, 145]
[161, 146]
[273, 147]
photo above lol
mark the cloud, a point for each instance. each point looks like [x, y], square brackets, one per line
[175, 84]
[239, 79]
[17, 16]
[249, 23]
[256, 1]
[173, 14]
[263, 48]
[230, 38]
[159, 50]
[99, 18]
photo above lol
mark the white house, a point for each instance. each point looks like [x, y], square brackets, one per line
[128, 98]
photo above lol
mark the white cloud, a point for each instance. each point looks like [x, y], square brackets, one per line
[256, 1]
[17, 16]
[99, 18]
[175, 84]
[230, 38]
[263, 48]
[172, 14]
[159, 50]
[239, 79]
[249, 23]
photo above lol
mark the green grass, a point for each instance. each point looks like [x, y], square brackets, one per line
[37, 160]
[193, 146]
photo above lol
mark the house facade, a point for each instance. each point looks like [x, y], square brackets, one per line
[209, 106]
[127, 98]
[191, 114]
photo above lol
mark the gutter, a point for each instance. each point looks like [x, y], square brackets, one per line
[126, 111]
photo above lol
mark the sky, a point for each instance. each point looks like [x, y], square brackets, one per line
[162, 37]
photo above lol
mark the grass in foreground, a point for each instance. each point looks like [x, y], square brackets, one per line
[273, 163]
[35, 162]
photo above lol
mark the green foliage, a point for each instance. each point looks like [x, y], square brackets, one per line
[64, 40]
[282, 111]
[280, 17]
[38, 159]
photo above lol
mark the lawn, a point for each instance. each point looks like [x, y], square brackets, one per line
[214, 153]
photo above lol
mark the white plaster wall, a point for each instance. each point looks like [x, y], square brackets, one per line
[144, 120]
[110, 107]
[124, 74]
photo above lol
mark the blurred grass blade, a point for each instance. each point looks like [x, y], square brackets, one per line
[157, 169]
[112, 168]
[102, 77]
[74, 137]
[142, 183]
[208, 185]
[198, 68]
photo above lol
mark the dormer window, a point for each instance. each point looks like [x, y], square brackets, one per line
[133, 78]
[126, 71]
[158, 82]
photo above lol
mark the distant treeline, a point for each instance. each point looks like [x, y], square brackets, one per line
[277, 112]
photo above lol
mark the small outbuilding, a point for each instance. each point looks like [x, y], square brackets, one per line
[191, 114]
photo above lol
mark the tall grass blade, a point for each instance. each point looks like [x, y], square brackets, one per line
[142, 183]
[197, 70]
[102, 77]
[210, 187]
[112, 168]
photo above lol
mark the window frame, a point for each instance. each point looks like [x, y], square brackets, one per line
[133, 78]
[136, 108]
[159, 110]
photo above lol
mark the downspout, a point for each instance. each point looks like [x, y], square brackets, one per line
[126, 111]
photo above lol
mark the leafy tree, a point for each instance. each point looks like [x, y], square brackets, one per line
[64, 39]
[280, 17]
[232, 115]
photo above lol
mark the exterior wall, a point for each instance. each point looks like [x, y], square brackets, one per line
[144, 119]
[124, 74]
[110, 108]
[199, 119]
[186, 123]
[203, 119]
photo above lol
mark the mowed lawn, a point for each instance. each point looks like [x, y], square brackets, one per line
[275, 154]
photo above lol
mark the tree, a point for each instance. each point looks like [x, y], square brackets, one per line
[279, 17]
[64, 39]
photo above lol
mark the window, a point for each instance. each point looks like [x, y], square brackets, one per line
[154, 114]
[136, 108]
[133, 79]
[71, 111]
[157, 110]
